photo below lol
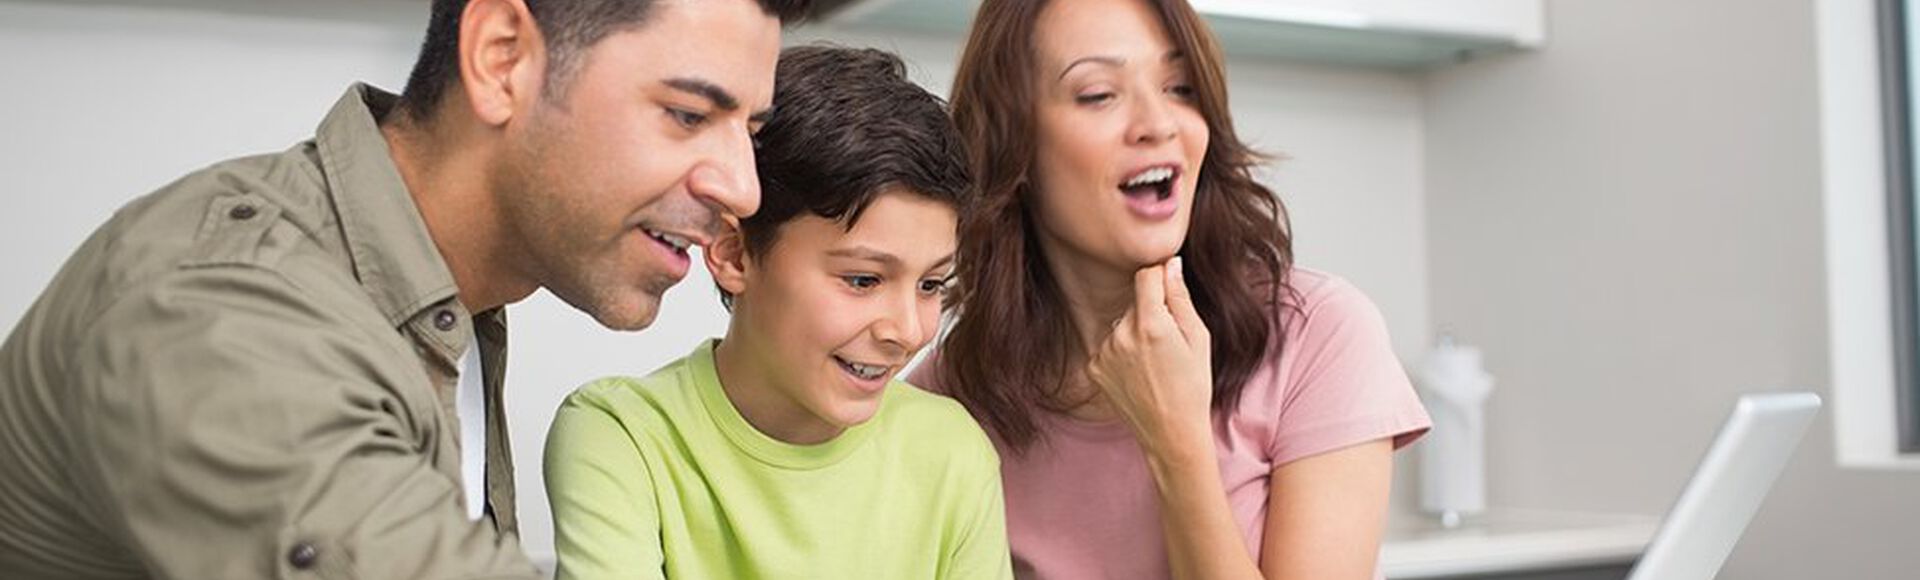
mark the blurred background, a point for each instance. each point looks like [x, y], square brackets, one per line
[1636, 209]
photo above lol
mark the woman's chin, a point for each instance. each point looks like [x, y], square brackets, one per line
[1131, 250]
[1151, 252]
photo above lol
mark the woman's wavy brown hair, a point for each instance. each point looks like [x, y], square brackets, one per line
[1006, 356]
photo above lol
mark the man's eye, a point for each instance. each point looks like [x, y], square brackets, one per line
[687, 119]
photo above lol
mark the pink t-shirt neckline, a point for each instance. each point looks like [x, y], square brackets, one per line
[1085, 428]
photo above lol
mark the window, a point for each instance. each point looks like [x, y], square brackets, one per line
[1869, 403]
[1899, 55]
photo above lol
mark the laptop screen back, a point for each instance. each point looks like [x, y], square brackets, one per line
[1727, 489]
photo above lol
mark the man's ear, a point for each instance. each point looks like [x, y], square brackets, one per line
[727, 262]
[502, 58]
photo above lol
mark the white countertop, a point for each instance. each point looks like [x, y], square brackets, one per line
[1491, 543]
[1510, 540]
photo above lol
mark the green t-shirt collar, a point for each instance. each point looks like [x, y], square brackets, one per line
[743, 435]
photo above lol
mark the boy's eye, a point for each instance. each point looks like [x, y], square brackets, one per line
[687, 119]
[861, 281]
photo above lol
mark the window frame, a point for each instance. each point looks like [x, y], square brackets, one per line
[1897, 58]
[1859, 290]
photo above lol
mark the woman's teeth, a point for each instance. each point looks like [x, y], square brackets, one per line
[1154, 175]
[1157, 182]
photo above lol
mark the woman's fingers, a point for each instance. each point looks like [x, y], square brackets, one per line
[1154, 365]
[1149, 292]
[1180, 304]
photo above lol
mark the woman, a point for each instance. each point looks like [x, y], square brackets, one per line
[1170, 397]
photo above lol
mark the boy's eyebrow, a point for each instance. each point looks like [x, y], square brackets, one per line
[865, 253]
[890, 260]
[944, 262]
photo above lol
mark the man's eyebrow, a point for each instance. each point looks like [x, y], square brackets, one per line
[1112, 61]
[722, 99]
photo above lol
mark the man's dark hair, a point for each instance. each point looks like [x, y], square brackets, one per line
[569, 26]
[848, 125]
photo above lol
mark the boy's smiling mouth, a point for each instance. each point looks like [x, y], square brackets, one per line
[862, 371]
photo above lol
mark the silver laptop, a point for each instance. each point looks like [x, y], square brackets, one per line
[1727, 488]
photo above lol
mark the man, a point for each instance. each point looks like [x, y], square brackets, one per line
[289, 365]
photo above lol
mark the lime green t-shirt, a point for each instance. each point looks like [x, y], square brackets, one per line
[661, 477]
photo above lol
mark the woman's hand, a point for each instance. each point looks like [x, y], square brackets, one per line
[1156, 366]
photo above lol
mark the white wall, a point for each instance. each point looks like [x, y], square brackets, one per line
[1630, 222]
[105, 102]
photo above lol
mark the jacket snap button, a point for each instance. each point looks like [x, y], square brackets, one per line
[303, 555]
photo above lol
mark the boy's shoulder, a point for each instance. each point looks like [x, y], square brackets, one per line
[643, 401]
[921, 409]
[934, 424]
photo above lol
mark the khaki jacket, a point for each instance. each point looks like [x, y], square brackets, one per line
[250, 374]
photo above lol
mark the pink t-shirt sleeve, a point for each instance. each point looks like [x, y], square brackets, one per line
[1340, 383]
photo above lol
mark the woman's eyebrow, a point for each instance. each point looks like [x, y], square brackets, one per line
[1112, 61]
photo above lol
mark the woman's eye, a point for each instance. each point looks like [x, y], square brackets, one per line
[687, 119]
[1093, 98]
[937, 286]
[861, 281]
[1182, 91]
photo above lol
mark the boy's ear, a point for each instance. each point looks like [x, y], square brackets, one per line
[727, 261]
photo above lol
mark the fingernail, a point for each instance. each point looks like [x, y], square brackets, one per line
[1174, 266]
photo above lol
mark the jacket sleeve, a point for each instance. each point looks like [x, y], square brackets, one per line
[236, 426]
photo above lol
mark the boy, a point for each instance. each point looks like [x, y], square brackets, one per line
[785, 449]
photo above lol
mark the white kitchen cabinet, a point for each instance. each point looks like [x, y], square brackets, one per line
[1403, 34]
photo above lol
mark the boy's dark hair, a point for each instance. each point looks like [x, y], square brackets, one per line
[847, 125]
[569, 26]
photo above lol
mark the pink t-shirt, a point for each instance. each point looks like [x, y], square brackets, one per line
[1082, 505]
